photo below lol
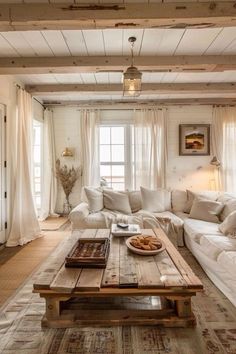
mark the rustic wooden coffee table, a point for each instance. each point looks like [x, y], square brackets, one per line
[133, 289]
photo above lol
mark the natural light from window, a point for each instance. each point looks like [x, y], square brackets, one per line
[112, 156]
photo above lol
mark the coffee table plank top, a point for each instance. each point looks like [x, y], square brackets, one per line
[125, 270]
[111, 276]
[90, 279]
[128, 268]
[184, 269]
[45, 275]
[66, 279]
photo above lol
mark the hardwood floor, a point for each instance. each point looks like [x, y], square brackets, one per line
[17, 263]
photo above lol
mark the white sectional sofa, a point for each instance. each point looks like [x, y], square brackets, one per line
[215, 251]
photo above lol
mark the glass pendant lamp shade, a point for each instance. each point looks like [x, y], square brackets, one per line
[132, 82]
[132, 76]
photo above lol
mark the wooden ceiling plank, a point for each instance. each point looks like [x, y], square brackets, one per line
[18, 42]
[187, 14]
[91, 64]
[148, 89]
[56, 42]
[196, 42]
[75, 42]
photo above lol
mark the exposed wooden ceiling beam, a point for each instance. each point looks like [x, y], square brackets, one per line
[148, 89]
[84, 16]
[134, 103]
[81, 64]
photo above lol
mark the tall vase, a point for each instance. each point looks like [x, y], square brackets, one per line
[67, 207]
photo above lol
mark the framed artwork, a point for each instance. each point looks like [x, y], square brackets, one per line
[194, 139]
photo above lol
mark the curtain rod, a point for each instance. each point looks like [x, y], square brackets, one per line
[39, 102]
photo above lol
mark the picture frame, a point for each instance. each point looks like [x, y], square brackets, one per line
[194, 139]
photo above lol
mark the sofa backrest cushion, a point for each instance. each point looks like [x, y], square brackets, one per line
[208, 195]
[117, 201]
[94, 198]
[135, 200]
[228, 226]
[229, 202]
[157, 200]
[178, 200]
[206, 210]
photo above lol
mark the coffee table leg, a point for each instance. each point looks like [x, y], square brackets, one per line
[53, 310]
[183, 307]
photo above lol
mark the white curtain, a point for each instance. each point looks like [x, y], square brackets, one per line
[150, 148]
[224, 145]
[89, 147]
[24, 224]
[49, 192]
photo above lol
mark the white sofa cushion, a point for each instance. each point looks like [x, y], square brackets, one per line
[230, 205]
[117, 201]
[206, 210]
[209, 195]
[212, 246]
[227, 259]
[178, 200]
[157, 200]
[95, 199]
[197, 228]
[228, 226]
[135, 200]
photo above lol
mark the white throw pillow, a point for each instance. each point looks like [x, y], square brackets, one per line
[135, 201]
[230, 205]
[95, 199]
[118, 201]
[208, 195]
[228, 226]
[178, 199]
[157, 200]
[206, 210]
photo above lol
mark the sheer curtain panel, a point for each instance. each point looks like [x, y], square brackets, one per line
[89, 147]
[150, 148]
[224, 145]
[24, 224]
[49, 191]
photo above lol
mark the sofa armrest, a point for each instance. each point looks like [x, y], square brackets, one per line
[79, 213]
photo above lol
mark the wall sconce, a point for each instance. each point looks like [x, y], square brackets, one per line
[67, 152]
[215, 162]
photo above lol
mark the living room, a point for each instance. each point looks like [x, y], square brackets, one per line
[137, 100]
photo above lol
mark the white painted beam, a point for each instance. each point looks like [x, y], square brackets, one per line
[58, 16]
[93, 64]
[148, 89]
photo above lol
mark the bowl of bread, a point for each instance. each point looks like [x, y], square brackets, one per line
[147, 245]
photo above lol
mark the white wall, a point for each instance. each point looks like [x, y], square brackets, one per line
[66, 127]
[192, 172]
[183, 171]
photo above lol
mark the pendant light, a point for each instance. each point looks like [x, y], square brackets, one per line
[132, 77]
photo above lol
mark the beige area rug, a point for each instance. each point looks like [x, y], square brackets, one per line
[53, 224]
[21, 332]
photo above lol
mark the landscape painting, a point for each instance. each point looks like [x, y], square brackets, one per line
[194, 139]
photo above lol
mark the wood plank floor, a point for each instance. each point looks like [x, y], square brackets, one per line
[17, 263]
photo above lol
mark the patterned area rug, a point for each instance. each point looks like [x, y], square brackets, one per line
[21, 332]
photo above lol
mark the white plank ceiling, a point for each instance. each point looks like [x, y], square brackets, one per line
[171, 42]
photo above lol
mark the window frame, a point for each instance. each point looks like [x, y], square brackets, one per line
[127, 151]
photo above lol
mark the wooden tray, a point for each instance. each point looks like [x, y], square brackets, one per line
[89, 252]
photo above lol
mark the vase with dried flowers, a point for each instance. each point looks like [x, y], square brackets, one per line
[67, 177]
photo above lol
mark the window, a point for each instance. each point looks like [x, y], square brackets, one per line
[37, 163]
[115, 156]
